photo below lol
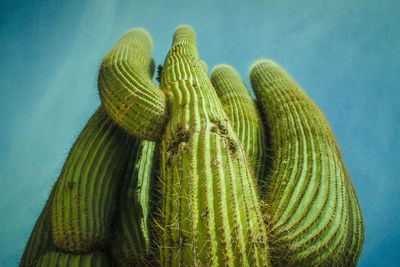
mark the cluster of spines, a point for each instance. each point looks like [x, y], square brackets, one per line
[313, 213]
[209, 201]
[242, 113]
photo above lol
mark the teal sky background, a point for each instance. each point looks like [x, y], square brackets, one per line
[344, 53]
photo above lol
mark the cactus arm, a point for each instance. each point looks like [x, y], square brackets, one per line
[130, 243]
[242, 113]
[127, 90]
[94, 259]
[311, 207]
[84, 200]
[210, 207]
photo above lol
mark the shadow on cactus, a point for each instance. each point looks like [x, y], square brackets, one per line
[194, 171]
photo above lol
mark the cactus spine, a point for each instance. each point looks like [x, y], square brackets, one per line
[84, 200]
[70, 260]
[209, 202]
[127, 90]
[314, 217]
[242, 113]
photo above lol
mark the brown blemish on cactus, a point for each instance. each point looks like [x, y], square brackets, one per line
[219, 126]
[232, 145]
[178, 143]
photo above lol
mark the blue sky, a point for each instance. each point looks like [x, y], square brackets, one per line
[345, 54]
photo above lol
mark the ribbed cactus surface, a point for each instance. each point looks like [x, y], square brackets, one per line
[313, 213]
[210, 208]
[242, 113]
[126, 87]
[84, 200]
[195, 172]
[69, 260]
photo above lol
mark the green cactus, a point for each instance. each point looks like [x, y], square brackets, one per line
[242, 113]
[127, 90]
[84, 200]
[95, 259]
[210, 208]
[131, 239]
[313, 213]
[205, 208]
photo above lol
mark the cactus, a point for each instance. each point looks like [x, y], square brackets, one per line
[69, 260]
[206, 141]
[242, 113]
[84, 200]
[210, 208]
[126, 89]
[131, 239]
[313, 213]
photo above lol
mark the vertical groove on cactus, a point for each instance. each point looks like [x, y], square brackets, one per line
[94, 259]
[84, 199]
[242, 113]
[41, 239]
[313, 213]
[130, 243]
[127, 90]
[210, 207]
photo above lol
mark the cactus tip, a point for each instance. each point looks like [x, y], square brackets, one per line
[184, 33]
